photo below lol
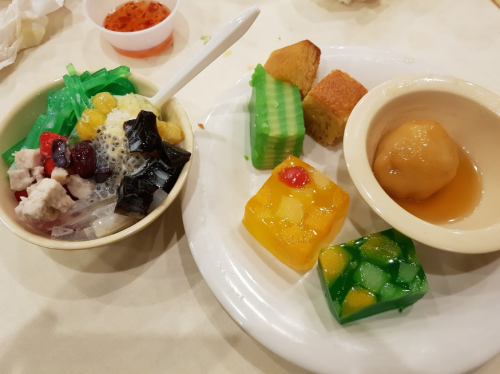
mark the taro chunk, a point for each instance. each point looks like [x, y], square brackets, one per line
[28, 158]
[20, 179]
[45, 202]
[38, 173]
[60, 175]
[79, 187]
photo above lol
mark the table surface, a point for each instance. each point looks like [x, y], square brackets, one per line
[141, 305]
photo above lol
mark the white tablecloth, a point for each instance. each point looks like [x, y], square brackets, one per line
[142, 306]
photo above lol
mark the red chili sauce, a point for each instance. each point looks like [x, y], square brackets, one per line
[135, 16]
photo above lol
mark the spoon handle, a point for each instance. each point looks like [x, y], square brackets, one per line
[231, 33]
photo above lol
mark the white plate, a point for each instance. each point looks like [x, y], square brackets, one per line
[454, 328]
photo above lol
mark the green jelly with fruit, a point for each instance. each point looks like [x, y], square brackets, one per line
[371, 275]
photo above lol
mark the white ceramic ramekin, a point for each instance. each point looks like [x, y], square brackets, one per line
[471, 116]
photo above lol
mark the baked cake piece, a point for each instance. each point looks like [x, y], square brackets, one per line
[296, 64]
[328, 106]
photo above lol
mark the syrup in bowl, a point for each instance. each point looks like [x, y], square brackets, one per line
[455, 201]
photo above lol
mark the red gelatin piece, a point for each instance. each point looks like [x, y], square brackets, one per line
[46, 139]
[48, 166]
[294, 176]
[19, 194]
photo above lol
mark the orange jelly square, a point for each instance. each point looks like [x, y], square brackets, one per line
[297, 212]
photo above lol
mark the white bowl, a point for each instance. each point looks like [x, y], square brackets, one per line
[471, 116]
[138, 44]
[18, 122]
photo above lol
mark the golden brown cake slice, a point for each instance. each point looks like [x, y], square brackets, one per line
[328, 106]
[296, 64]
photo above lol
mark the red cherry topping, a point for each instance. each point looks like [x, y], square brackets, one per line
[294, 176]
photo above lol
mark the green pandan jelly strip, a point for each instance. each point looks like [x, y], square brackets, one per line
[8, 154]
[85, 76]
[276, 120]
[43, 123]
[97, 84]
[71, 69]
[120, 87]
[79, 97]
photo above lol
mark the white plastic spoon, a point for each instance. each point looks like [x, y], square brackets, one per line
[214, 48]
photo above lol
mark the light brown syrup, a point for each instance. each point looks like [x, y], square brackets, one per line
[455, 201]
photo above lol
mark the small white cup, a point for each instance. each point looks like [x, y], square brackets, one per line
[137, 44]
[471, 116]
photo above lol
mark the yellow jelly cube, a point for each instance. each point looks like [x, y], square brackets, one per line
[297, 211]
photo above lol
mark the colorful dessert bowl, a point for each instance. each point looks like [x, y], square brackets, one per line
[136, 44]
[17, 123]
[471, 116]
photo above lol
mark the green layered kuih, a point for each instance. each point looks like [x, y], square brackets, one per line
[276, 120]
[371, 275]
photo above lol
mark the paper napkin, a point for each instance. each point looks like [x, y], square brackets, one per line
[22, 25]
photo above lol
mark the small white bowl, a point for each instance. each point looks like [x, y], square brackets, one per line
[18, 122]
[137, 44]
[471, 116]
